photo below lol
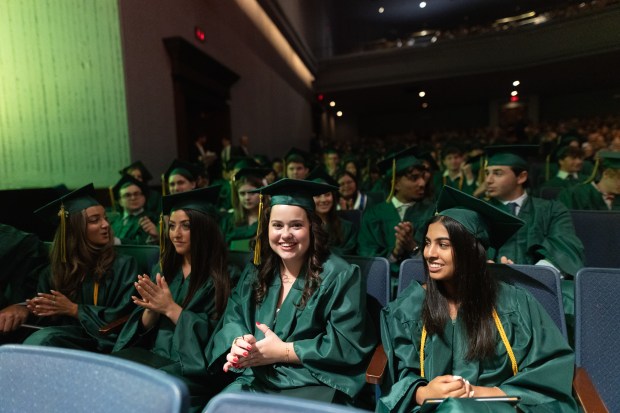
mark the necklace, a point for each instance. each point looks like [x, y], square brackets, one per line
[286, 279]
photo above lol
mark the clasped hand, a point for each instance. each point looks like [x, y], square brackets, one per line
[155, 296]
[53, 304]
[405, 244]
[445, 386]
[246, 351]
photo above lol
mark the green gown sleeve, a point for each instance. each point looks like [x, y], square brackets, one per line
[545, 361]
[183, 342]
[114, 298]
[349, 239]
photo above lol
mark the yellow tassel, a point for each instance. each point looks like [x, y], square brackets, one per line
[161, 240]
[96, 293]
[63, 232]
[112, 200]
[258, 231]
[163, 185]
[389, 198]
[594, 171]
[422, 344]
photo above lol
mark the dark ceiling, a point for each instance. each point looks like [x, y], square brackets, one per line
[353, 23]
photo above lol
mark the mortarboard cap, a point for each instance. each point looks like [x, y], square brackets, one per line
[489, 224]
[256, 172]
[202, 200]
[178, 167]
[319, 175]
[404, 160]
[510, 155]
[295, 192]
[609, 159]
[146, 175]
[297, 155]
[70, 203]
[125, 181]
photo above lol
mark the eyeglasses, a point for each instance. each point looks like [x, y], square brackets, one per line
[128, 195]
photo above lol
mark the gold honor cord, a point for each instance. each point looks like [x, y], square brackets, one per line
[389, 198]
[63, 232]
[259, 228]
[445, 179]
[96, 293]
[502, 334]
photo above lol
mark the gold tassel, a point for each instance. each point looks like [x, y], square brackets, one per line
[96, 293]
[391, 195]
[163, 185]
[594, 172]
[162, 244]
[112, 200]
[259, 229]
[63, 232]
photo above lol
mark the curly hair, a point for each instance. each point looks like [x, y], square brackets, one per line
[476, 292]
[209, 259]
[316, 256]
[83, 258]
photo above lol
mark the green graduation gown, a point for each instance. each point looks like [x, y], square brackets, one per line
[588, 197]
[333, 336]
[129, 230]
[237, 233]
[113, 302]
[175, 349]
[548, 234]
[348, 244]
[376, 237]
[544, 359]
[22, 258]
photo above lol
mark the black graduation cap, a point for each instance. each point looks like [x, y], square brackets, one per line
[510, 155]
[125, 181]
[487, 223]
[146, 175]
[202, 200]
[297, 155]
[319, 175]
[256, 172]
[75, 201]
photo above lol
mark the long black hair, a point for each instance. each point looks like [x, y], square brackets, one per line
[475, 290]
[208, 259]
[316, 256]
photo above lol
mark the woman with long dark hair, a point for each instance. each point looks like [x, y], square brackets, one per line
[88, 284]
[179, 307]
[342, 233]
[463, 334]
[295, 324]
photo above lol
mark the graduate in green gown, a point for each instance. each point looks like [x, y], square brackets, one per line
[133, 225]
[153, 198]
[180, 176]
[295, 325]
[180, 304]
[600, 195]
[393, 229]
[239, 225]
[342, 234]
[22, 258]
[570, 164]
[463, 334]
[88, 284]
[548, 236]
[457, 173]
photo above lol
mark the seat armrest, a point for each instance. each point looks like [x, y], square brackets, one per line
[113, 327]
[586, 393]
[376, 368]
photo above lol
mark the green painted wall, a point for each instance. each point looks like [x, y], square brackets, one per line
[62, 94]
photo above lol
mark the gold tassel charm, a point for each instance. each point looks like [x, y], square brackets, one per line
[389, 198]
[161, 240]
[259, 229]
[63, 214]
[163, 185]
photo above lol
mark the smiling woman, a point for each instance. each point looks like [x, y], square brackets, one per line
[88, 284]
[297, 321]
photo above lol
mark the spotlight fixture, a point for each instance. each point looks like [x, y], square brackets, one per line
[332, 103]
[424, 105]
[381, 10]
[422, 4]
[514, 93]
[516, 83]
[422, 94]
[339, 113]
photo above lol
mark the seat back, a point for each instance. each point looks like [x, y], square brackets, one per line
[596, 334]
[239, 259]
[146, 256]
[599, 231]
[540, 281]
[550, 192]
[61, 380]
[410, 269]
[376, 271]
[270, 403]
